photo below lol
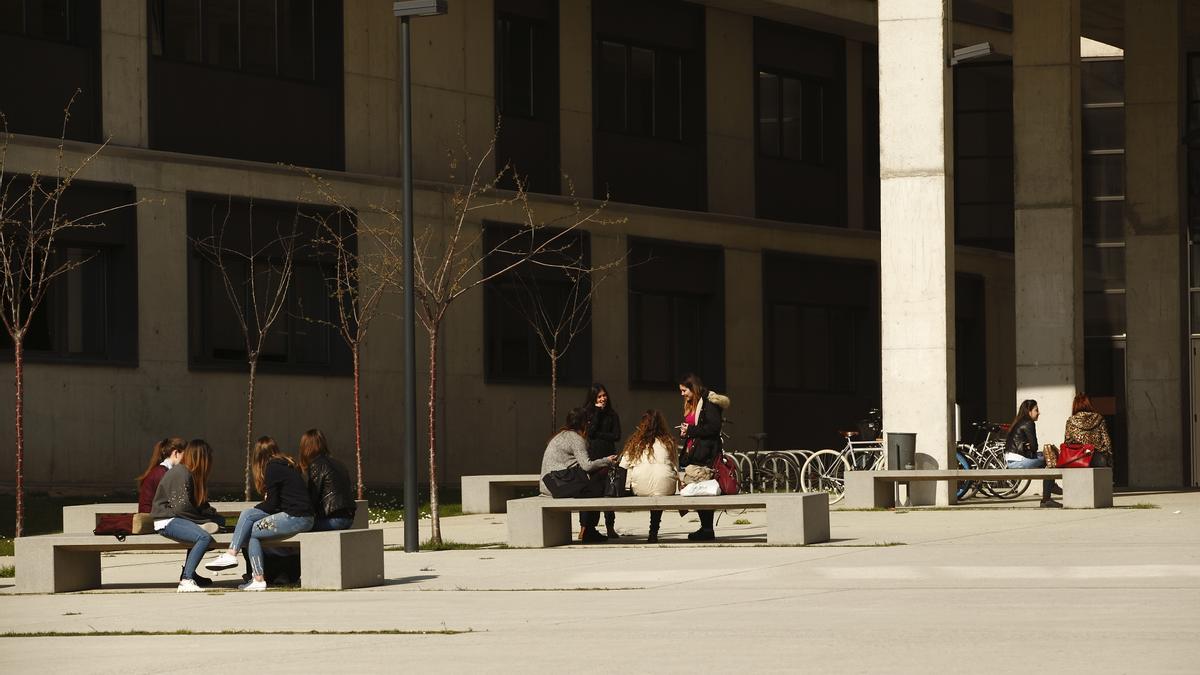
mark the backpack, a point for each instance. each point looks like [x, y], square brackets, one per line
[726, 474]
[120, 525]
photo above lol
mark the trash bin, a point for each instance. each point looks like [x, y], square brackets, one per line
[902, 450]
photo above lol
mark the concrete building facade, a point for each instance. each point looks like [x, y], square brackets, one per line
[822, 215]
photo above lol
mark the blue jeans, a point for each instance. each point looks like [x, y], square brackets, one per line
[1038, 462]
[241, 533]
[185, 531]
[327, 524]
[274, 526]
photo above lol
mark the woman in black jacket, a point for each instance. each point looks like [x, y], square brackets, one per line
[1021, 449]
[603, 432]
[703, 414]
[328, 484]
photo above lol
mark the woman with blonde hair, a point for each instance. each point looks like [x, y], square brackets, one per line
[181, 511]
[328, 484]
[284, 511]
[651, 459]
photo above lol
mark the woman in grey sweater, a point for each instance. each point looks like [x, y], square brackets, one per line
[568, 448]
[181, 510]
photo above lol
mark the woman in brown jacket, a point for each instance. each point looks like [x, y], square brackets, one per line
[1085, 425]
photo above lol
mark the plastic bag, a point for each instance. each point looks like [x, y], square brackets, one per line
[704, 488]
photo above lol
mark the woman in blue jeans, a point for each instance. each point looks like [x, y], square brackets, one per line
[181, 511]
[1021, 449]
[284, 511]
[328, 484]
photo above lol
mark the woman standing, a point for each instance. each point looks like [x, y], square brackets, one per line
[1085, 425]
[284, 511]
[603, 432]
[181, 511]
[651, 458]
[1021, 449]
[328, 484]
[703, 411]
[568, 448]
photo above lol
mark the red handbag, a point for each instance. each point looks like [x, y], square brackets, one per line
[725, 471]
[119, 525]
[1075, 455]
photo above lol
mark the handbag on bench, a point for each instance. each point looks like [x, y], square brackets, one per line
[120, 525]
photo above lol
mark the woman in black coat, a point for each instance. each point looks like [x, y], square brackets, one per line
[603, 433]
[703, 414]
[1021, 449]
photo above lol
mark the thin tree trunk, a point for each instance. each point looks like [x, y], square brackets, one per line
[19, 431]
[553, 390]
[249, 425]
[357, 423]
[435, 537]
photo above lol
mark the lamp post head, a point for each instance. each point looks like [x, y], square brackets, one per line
[407, 8]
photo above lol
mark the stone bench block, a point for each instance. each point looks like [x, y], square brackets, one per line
[490, 494]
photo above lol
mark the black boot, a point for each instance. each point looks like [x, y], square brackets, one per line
[655, 521]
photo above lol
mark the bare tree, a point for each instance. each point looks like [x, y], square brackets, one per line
[356, 281]
[257, 297]
[34, 218]
[449, 266]
[553, 293]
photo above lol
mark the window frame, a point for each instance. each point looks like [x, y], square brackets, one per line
[823, 86]
[599, 40]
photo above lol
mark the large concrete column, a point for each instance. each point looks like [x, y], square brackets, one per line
[371, 92]
[1048, 198]
[743, 345]
[123, 90]
[575, 95]
[1153, 361]
[917, 228]
[729, 61]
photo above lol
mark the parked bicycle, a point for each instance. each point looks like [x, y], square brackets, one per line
[987, 452]
[768, 470]
[825, 470]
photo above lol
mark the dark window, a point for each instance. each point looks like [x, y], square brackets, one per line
[791, 121]
[970, 350]
[86, 315]
[1193, 186]
[1103, 86]
[228, 77]
[983, 158]
[648, 97]
[300, 340]
[640, 91]
[527, 93]
[821, 347]
[676, 313]
[48, 50]
[515, 351]
[800, 106]
[870, 110]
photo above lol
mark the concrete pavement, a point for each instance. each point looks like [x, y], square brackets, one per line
[980, 589]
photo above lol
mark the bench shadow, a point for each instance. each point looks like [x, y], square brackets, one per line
[409, 580]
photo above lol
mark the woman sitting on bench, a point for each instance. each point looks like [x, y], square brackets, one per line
[1021, 449]
[651, 459]
[284, 511]
[181, 510]
[568, 448]
[328, 484]
[166, 453]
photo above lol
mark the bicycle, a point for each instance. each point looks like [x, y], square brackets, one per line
[766, 471]
[987, 453]
[825, 470]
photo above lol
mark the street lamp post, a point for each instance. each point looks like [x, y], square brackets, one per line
[412, 517]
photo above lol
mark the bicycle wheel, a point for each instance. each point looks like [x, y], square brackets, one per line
[966, 488]
[775, 473]
[825, 471]
[1016, 488]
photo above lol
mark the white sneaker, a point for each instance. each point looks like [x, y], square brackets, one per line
[253, 586]
[188, 586]
[222, 562]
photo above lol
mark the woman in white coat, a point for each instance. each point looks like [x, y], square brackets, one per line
[652, 462]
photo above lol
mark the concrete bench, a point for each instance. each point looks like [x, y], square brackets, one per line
[489, 494]
[58, 563]
[83, 517]
[1082, 488]
[792, 518]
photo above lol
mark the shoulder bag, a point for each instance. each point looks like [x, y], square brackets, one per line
[566, 482]
[614, 484]
[120, 525]
[726, 474]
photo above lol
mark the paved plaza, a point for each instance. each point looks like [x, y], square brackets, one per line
[969, 589]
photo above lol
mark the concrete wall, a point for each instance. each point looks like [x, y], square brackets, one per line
[93, 426]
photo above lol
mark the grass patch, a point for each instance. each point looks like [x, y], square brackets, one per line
[7, 571]
[1141, 505]
[742, 521]
[447, 545]
[7, 547]
[141, 633]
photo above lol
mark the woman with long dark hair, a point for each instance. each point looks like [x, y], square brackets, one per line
[181, 510]
[652, 459]
[568, 448]
[603, 432]
[328, 484]
[703, 413]
[1021, 449]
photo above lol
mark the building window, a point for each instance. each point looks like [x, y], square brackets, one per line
[266, 37]
[811, 348]
[1103, 87]
[791, 117]
[1193, 188]
[983, 157]
[87, 315]
[527, 94]
[301, 339]
[515, 351]
[640, 90]
[676, 313]
[39, 19]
